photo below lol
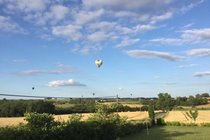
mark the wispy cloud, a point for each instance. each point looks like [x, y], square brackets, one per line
[19, 60]
[84, 23]
[184, 9]
[85, 50]
[197, 35]
[168, 41]
[165, 16]
[188, 66]
[83, 17]
[98, 36]
[188, 25]
[61, 69]
[190, 36]
[70, 82]
[201, 74]
[71, 32]
[152, 54]
[199, 52]
[26, 5]
[127, 42]
[125, 4]
[8, 25]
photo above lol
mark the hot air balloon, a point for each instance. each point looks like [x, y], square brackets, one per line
[33, 88]
[98, 63]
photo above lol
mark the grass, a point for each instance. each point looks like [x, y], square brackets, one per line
[172, 133]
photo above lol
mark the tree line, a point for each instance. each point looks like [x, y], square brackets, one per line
[166, 102]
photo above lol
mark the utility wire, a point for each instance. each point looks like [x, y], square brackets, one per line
[33, 96]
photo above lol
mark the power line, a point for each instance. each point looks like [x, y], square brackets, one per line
[32, 96]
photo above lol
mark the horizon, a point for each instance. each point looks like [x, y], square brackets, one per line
[147, 47]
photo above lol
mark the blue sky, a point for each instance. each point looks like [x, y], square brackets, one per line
[147, 47]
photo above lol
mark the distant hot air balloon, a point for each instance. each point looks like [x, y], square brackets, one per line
[98, 63]
[33, 88]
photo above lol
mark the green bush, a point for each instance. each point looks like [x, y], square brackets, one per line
[205, 124]
[160, 122]
[175, 123]
[40, 121]
[103, 126]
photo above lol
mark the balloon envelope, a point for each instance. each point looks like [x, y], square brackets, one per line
[98, 63]
[33, 88]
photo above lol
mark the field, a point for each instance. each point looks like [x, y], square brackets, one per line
[9, 121]
[172, 133]
[203, 117]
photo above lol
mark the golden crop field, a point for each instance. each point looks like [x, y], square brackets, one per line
[11, 121]
[132, 105]
[203, 117]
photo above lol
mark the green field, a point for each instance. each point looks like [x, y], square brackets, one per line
[172, 133]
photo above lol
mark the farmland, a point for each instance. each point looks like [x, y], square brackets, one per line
[203, 117]
[10, 121]
[172, 133]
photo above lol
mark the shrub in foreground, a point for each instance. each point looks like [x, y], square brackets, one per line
[101, 126]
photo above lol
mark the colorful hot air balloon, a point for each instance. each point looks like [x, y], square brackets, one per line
[98, 63]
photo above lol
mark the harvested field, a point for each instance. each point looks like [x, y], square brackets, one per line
[203, 117]
[11, 121]
[132, 105]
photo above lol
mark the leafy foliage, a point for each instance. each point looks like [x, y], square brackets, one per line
[151, 113]
[104, 125]
[165, 102]
[17, 108]
[192, 114]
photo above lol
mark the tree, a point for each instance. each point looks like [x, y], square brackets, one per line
[192, 114]
[151, 113]
[165, 102]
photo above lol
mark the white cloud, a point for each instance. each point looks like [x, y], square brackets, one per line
[125, 4]
[188, 25]
[140, 28]
[133, 30]
[103, 25]
[199, 52]
[69, 82]
[26, 5]
[165, 16]
[201, 74]
[188, 66]
[190, 6]
[197, 35]
[85, 50]
[60, 70]
[127, 42]
[58, 12]
[168, 41]
[83, 17]
[151, 54]
[71, 32]
[7, 25]
[98, 36]
[187, 37]
[53, 15]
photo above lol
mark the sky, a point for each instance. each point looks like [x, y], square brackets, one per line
[147, 47]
